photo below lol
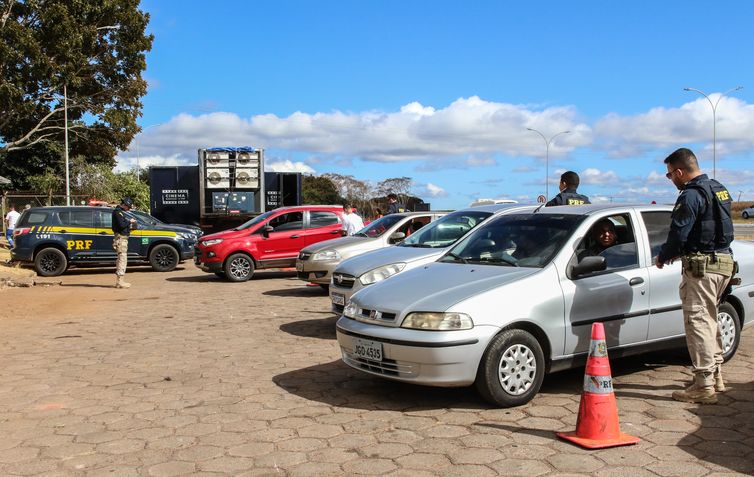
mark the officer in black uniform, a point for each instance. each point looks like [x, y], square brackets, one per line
[701, 232]
[121, 226]
[394, 207]
[569, 182]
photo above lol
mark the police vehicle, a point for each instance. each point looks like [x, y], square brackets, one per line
[54, 238]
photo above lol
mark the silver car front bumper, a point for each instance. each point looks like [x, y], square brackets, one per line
[437, 358]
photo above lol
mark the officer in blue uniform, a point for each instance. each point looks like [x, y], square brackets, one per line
[701, 232]
[121, 226]
[569, 182]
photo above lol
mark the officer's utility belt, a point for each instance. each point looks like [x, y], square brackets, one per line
[701, 263]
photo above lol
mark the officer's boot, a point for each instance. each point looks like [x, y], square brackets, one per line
[702, 391]
[120, 282]
[719, 383]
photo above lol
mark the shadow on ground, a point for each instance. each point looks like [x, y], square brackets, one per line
[303, 291]
[323, 328]
[337, 384]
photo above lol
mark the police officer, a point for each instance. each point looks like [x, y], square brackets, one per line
[569, 182]
[701, 231]
[121, 229]
[394, 207]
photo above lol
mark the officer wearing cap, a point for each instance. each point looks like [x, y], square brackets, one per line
[701, 231]
[121, 229]
[569, 182]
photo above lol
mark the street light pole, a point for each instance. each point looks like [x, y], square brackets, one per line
[65, 128]
[547, 156]
[714, 122]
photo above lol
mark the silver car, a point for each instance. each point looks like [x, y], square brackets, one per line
[425, 246]
[516, 298]
[316, 262]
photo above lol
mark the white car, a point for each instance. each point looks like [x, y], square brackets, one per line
[516, 298]
[748, 212]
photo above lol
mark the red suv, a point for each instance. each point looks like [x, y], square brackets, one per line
[271, 240]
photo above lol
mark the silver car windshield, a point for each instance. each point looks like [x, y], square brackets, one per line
[379, 226]
[515, 240]
[446, 230]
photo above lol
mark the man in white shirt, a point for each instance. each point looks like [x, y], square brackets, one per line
[352, 223]
[11, 218]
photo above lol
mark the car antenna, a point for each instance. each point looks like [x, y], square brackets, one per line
[537, 209]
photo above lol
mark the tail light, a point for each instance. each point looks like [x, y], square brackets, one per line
[21, 231]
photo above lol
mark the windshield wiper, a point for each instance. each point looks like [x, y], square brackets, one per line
[457, 257]
[359, 234]
[501, 260]
[416, 245]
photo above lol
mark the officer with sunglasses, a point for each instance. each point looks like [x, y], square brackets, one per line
[701, 232]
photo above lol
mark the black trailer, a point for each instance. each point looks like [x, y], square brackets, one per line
[178, 194]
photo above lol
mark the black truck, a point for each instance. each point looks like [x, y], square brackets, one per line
[227, 187]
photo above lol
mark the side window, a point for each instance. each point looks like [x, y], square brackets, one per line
[322, 219]
[78, 218]
[103, 219]
[33, 218]
[658, 227]
[613, 238]
[413, 225]
[289, 221]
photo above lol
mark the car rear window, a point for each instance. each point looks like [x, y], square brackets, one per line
[33, 218]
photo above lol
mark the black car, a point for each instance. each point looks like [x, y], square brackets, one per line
[53, 238]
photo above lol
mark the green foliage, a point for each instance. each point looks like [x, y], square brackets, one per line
[94, 48]
[319, 190]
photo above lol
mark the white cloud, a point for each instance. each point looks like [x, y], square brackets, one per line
[668, 128]
[594, 176]
[467, 127]
[431, 190]
[289, 166]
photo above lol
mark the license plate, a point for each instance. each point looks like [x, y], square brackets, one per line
[338, 298]
[367, 349]
[299, 266]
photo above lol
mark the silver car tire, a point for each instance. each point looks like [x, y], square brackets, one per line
[239, 267]
[730, 329]
[512, 369]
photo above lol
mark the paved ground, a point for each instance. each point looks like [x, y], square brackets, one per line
[187, 374]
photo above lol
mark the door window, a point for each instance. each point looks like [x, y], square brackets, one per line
[103, 219]
[322, 219]
[77, 218]
[289, 221]
[613, 238]
[658, 227]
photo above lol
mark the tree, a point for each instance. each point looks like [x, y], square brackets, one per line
[93, 49]
[319, 190]
[400, 186]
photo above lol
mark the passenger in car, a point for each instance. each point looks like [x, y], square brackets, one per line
[603, 236]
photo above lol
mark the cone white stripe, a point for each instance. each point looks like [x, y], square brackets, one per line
[598, 348]
[598, 384]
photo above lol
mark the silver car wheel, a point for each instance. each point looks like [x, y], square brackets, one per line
[240, 268]
[517, 369]
[727, 330]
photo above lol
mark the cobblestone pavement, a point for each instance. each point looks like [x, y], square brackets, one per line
[187, 374]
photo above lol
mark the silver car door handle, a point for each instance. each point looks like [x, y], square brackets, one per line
[636, 281]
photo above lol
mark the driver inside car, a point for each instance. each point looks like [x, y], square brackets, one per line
[603, 236]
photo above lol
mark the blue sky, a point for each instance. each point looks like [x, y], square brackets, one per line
[443, 92]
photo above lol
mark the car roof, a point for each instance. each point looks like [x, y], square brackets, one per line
[55, 208]
[496, 207]
[588, 209]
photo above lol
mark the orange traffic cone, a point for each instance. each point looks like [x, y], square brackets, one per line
[598, 426]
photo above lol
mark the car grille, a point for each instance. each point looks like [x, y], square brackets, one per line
[343, 280]
[375, 316]
[338, 308]
[386, 367]
[304, 256]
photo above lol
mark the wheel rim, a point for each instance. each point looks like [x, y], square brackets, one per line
[727, 330]
[240, 267]
[517, 369]
[164, 258]
[50, 262]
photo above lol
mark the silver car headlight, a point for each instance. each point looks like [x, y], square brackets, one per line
[438, 321]
[351, 310]
[326, 255]
[381, 273]
[207, 243]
